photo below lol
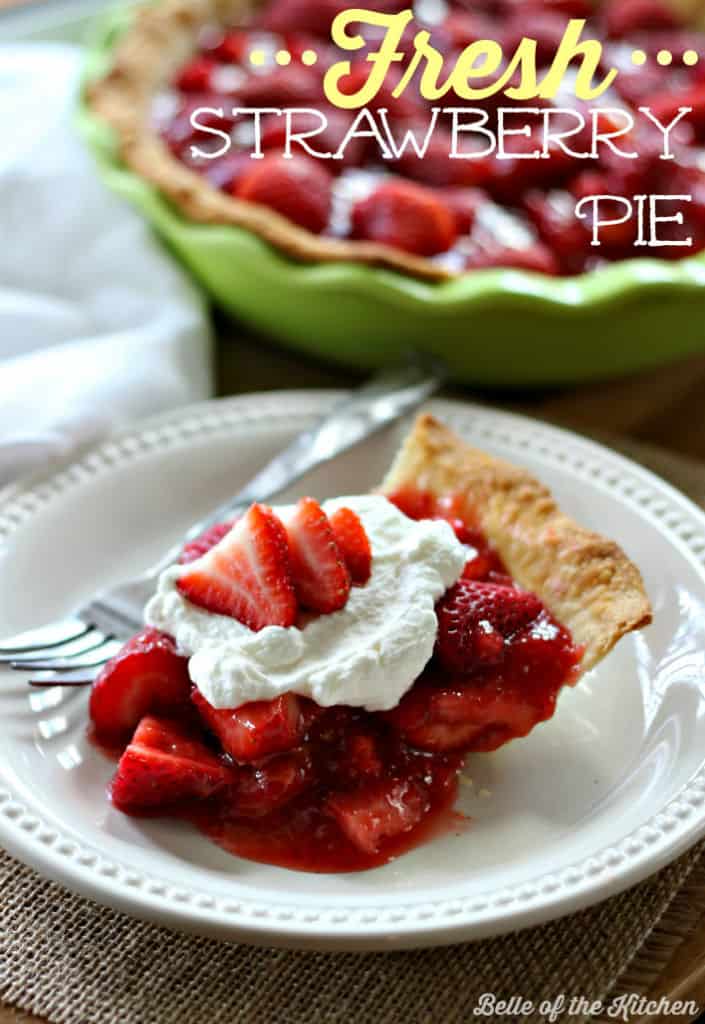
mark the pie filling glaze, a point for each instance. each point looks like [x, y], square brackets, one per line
[340, 788]
[436, 215]
[389, 779]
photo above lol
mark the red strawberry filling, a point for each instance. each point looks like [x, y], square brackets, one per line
[299, 188]
[330, 789]
[146, 677]
[407, 216]
[254, 731]
[436, 206]
[166, 765]
[477, 620]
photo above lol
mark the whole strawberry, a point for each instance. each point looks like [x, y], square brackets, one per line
[298, 188]
[202, 544]
[406, 216]
[475, 619]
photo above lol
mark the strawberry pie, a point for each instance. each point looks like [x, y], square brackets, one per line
[398, 192]
[312, 677]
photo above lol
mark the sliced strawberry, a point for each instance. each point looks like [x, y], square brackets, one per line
[321, 578]
[146, 676]
[265, 787]
[475, 619]
[164, 765]
[246, 575]
[202, 544]
[379, 812]
[353, 543]
[298, 188]
[255, 730]
[406, 216]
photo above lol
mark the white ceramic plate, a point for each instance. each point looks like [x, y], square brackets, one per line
[610, 790]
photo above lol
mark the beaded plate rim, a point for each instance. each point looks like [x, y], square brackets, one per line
[388, 924]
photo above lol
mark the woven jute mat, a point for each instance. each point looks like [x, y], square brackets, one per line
[72, 962]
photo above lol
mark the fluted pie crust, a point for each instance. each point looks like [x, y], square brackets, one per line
[146, 58]
[586, 581]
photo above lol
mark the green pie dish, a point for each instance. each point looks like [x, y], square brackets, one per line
[495, 328]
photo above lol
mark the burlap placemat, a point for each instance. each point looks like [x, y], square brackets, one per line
[73, 962]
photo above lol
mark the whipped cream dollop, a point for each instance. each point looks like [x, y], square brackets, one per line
[366, 655]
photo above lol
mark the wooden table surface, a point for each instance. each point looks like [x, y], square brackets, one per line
[664, 407]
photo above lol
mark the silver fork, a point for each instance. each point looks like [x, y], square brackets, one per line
[70, 652]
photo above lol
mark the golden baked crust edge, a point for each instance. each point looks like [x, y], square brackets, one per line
[585, 580]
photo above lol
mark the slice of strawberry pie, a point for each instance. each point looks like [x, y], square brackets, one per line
[313, 677]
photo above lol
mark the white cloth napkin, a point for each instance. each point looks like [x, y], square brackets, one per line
[97, 324]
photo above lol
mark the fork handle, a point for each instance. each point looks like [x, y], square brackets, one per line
[387, 397]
